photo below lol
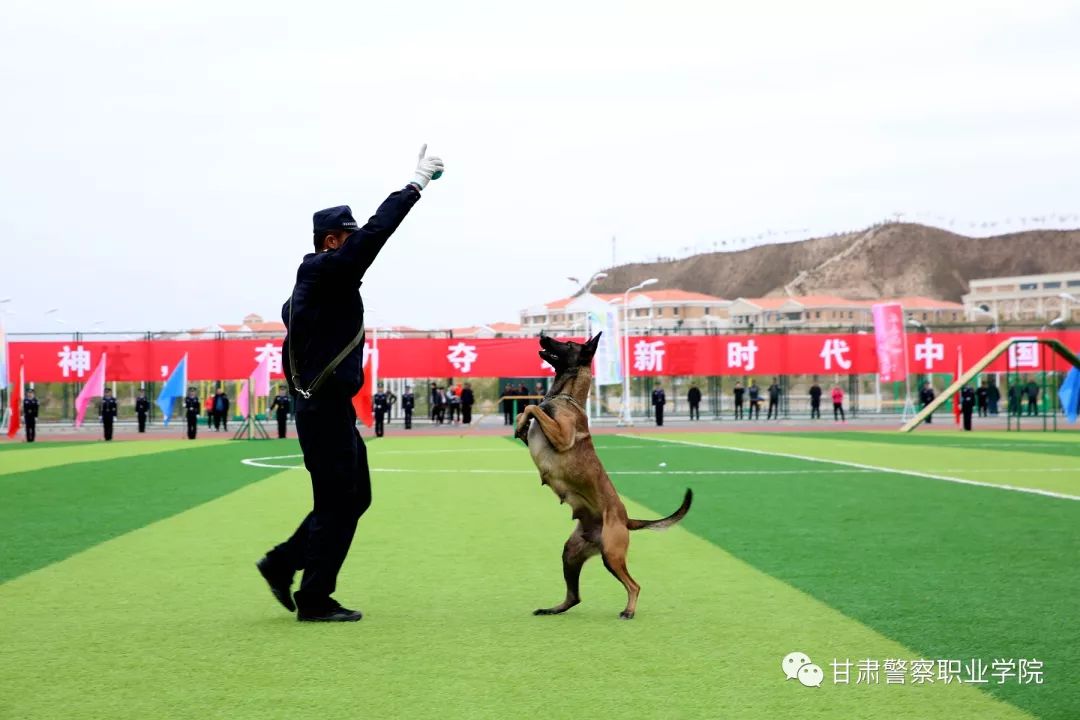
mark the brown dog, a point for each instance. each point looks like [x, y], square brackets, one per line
[563, 451]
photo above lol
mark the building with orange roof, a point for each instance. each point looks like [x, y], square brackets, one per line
[648, 310]
[824, 311]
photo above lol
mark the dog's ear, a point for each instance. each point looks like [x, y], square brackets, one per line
[588, 350]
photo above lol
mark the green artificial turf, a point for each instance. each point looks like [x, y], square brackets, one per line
[951, 570]
[50, 513]
[130, 591]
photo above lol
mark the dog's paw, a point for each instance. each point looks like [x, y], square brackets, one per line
[545, 611]
[626, 615]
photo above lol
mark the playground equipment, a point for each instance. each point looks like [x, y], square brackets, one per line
[1056, 346]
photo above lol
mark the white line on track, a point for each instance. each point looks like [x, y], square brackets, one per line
[861, 466]
[859, 470]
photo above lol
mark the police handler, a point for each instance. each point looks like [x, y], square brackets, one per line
[322, 353]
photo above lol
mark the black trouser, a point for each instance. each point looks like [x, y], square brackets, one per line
[192, 425]
[508, 413]
[282, 419]
[1033, 406]
[209, 419]
[695, 414]
[408, 418]
[216, 416]
[31, 429]
[336, 458]
[838, 411]
[982, 409]
[815, 408]
[107, 423]
[142, 422]
[440, 414]
[966, 412]
[930, 417]
[738, 409]
[774, 408]
[466, 414]
[755, 410]
[659, 415]
[379, 429]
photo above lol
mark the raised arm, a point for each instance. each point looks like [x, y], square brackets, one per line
[351, 260]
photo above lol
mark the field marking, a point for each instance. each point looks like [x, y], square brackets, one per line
[861, 466]
[257, 462]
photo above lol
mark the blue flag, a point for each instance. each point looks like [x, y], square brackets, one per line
[1069, 394]
[174, 387]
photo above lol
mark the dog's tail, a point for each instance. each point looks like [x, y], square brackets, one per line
[664, 523]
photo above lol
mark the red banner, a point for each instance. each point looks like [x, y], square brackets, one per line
[818, 354]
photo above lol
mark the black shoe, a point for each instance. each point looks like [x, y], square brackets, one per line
[279, 586]
[329, 613]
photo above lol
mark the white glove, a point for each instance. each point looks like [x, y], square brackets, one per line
[427, 169]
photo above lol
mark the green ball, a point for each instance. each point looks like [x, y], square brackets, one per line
[437, 175]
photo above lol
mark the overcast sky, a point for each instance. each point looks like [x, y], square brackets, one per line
[160, 162]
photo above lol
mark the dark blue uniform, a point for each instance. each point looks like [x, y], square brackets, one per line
[659, 399]
[408, 402]
[108, 413]
[327, 313]
[142, 407]
[192, 408]
[380, 403]
[467, 401]
[282, 402]
[30, 413]
[967, 405]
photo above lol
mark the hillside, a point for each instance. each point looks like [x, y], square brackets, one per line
[890, 260]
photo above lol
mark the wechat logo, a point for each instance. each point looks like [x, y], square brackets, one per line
[797, 665]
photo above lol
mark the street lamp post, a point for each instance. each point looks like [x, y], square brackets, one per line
[627, 418]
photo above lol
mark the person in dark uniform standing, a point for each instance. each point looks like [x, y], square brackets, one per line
[993, 397]
[982, 398]
[774, 400]
[815, 402]
[755, 401]
[142, 409]
[380, 404]
[967, 405]
[658, 401]
[30, 412]
[1031, 390]
[926, 396]
[738, 392]
[408, 402]
[221, 410]
[467, 401]
[508, 404]
[192, 408]
[282, 403]
[108, 412]
[693, 397]
[322, 354]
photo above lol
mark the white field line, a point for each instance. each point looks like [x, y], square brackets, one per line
[854, 470]
[873, 468]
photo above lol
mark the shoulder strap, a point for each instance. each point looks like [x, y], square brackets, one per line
[329, 369]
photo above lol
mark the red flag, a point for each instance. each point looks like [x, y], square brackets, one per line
[362, 400]
[959, 372]
[16, 403]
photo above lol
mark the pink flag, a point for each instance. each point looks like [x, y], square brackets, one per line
[891, 341]
[260, 379]
[242, 400]
[95, 387]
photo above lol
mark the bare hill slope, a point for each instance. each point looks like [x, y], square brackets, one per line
[890, 260]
